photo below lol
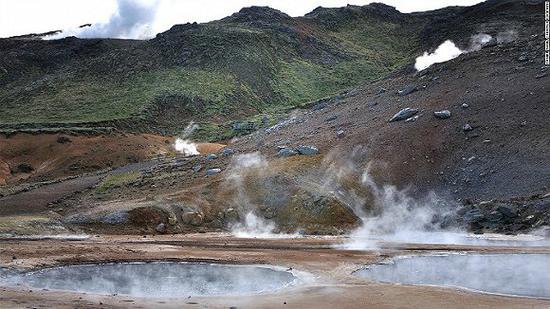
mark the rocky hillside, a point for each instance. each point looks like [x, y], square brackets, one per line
[472, 130]
[256, 61]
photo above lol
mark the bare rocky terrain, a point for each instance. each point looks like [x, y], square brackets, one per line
[489, 159]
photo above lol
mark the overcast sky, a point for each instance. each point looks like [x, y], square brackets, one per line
[141, 18]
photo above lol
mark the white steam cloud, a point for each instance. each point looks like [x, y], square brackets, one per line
[132, 20]
[448, 49]
[183, 144]
[445, 52]
[386, 212]
[398, 217]
[253, 225]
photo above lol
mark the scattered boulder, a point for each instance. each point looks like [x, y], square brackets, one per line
[63, 140]
[119, 217]
[332, 118]
[197, 168]
[467, 127]
[444, 114]
[192, 218]
[321, 104]
[340, 134]
[473, 215]
[161, 228]
[213, 171]
[523, 57]
[244, 127]
[286, 152]
[464, 105]
[412, 119]
[211, 157]
[404, 114]
[507, 212]
[231, 215]
[307, 150]
[226, 152]
[407, 90]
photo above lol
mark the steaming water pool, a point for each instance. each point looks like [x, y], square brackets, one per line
[507, 274]
[156, 280]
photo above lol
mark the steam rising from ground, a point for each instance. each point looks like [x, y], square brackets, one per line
[399, 217]
[132, 20]
[393, 215]
[445, 52]
[253, 224]
[448, 50]
[185, 146]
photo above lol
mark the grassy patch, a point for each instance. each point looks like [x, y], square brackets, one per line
[116, 181]
[91, 100]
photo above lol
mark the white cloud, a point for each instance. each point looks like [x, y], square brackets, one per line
[27, 16]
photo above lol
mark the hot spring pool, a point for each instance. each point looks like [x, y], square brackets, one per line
[156, 280]
[507, 274]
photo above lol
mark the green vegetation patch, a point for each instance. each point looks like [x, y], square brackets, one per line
[92, 100]
[117, 180]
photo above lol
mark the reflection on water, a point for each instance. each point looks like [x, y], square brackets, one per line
[509, 274]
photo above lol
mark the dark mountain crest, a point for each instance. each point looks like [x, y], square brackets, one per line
[257, 13]
[333, 18]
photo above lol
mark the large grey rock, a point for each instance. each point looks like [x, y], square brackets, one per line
[231, 215]
[197, 168]
[226, 152]
[507, 212]
[307, 150]
[404, 114]
[119, 217]
[444, 114]
[161, 228]
[192, 218]
[213, 171]
[473, 216]
[286, 152]
[211, 157]
[407, 90]
[467, 127]
[340, 134]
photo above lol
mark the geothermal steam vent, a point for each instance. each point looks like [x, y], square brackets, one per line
[158, 280]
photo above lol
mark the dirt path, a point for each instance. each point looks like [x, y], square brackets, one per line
[333, 285]
[37, 200]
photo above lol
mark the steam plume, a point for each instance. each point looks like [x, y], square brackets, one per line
[132, 20]
[448, 50]
[445, 52]
[185, 146]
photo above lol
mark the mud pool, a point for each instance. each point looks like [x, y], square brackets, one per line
[155, 280]
[506, 274]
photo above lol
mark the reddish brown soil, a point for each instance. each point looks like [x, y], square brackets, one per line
[52, 159]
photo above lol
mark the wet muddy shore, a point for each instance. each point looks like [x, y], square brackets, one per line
[332, 282]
